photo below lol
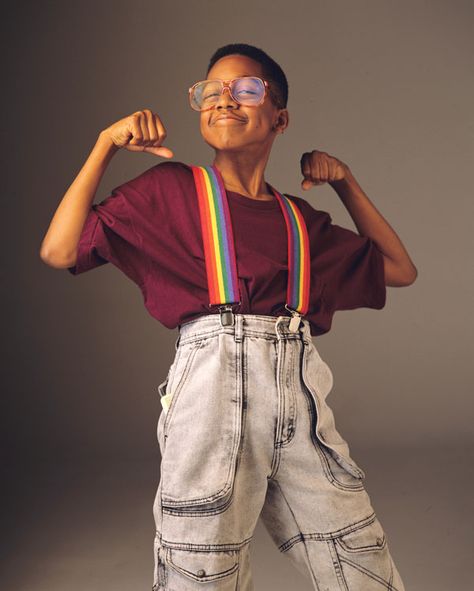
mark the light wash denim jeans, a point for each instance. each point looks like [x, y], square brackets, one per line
[248, 433]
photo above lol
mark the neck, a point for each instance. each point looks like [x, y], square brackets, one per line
[243, 174]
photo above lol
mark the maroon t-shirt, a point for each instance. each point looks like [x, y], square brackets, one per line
[149, 227]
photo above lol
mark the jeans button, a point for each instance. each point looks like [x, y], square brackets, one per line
[379, 541]
[201, 572]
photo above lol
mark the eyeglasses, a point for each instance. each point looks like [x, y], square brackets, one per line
[246, 90]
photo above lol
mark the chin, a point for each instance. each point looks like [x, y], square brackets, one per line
[228, 145]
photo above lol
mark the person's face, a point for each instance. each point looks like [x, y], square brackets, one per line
[255, 125]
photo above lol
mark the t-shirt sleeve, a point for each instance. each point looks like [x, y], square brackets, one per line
[354, 268]
[110, 231]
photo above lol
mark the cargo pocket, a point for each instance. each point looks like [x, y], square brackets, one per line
[364, 556]
[215, 570]
[202, 428]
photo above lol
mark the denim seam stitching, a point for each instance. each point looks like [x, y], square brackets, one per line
[292, 414]
[301, 536]
[275, 463]
[206, 334]
[369, 573]
[207, 547]
[331, 535]
[336, 562]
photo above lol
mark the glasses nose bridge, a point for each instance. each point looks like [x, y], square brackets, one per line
[226, 84]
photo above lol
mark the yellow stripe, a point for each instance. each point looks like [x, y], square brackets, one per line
[217, 254]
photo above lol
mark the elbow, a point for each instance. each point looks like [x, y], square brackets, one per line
[399, 275]
[409, 277]
[56, 259]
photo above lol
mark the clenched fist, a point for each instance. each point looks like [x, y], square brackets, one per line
[143, 131]
[319, 168]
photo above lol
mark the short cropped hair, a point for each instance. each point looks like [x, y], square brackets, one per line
[271, 70]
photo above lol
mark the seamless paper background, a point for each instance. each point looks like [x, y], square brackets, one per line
[387, 88]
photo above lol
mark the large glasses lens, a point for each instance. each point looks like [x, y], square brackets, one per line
[206, 93]
[246, 91]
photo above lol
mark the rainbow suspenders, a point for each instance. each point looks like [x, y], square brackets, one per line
[218, 240]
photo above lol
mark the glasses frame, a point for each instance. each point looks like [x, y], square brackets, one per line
[226, 84]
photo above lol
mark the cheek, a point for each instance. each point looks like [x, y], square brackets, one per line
[261, 123]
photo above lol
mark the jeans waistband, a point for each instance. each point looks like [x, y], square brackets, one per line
[276, 327]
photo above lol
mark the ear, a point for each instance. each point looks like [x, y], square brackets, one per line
[282, 121]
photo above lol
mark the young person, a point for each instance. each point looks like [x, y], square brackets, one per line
[248, 275]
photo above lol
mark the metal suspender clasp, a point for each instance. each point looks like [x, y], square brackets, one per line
[226, 313]
[295, 319]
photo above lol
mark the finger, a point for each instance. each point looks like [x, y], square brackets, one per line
[160, 151]
[307, 184]
[305, 164]
[325, 169]
[151, 129]
[320, 176]
[144, 128]
[160, 129]
[136, 129]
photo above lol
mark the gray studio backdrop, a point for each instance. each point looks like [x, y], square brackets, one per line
[386, 87]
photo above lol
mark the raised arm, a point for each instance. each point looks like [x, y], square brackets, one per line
[319, 167]
[142, 131]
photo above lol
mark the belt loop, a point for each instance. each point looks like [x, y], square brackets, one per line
[277, 323]
[238, 330]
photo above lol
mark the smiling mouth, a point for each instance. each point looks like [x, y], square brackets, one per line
[229, 118]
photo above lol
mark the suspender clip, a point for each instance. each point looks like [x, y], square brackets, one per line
[295, 319]
[227, 314]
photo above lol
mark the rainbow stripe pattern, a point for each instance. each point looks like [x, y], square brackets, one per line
[299, 260]
[218, 241]
[218, 238]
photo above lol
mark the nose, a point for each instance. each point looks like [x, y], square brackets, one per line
[225, 99]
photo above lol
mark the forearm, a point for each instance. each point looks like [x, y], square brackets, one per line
[399, 267]
[59, 246]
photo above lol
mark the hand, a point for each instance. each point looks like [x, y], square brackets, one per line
[319, 168]
[142, 131]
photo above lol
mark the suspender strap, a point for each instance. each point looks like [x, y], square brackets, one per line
[217, 235]
[297, 295]
[219, 251]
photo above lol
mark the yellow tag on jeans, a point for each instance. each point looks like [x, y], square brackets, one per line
[165, 401]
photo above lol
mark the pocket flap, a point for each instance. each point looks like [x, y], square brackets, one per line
[368, 537]
[203, 566]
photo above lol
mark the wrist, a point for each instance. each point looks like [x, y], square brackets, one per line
[105, 142]
[344, 183]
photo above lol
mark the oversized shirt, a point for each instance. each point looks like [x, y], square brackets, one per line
[150, 229]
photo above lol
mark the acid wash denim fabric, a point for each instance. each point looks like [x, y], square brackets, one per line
[248, 433]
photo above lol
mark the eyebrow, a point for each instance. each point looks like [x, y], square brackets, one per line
[238, 76]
